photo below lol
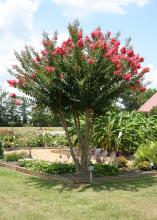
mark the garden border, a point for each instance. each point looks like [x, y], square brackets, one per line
[76, 180]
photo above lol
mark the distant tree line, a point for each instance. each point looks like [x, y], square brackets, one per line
[24, 113]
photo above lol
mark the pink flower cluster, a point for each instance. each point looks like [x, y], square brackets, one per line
[50, 69]
[13, 82]
[46, 42]
[17, 101]
[12, 95]
[127, 64]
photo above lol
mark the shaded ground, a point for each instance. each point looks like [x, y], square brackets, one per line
[29, 198]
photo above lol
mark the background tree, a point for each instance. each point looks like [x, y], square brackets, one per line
[133, 100]
[43, 117]
[3, 97]
[83, 76]
[25, 107]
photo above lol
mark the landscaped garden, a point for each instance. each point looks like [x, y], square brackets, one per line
[94, 86]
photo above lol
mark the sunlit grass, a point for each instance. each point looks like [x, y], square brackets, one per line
[23, 197]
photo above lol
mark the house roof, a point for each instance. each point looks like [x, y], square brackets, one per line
[149, 104]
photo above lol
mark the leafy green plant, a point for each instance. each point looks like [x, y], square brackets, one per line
[147, 152]
[15, 156]
[124, 130]
[64, 168]
[48, 168]
[105, 170]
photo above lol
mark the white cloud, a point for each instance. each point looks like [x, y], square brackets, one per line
[15, 13]
[78, 8]
[16, 30]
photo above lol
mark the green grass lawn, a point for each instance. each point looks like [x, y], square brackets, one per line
[24, 197]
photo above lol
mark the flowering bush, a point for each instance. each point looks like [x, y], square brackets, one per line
[85, 74]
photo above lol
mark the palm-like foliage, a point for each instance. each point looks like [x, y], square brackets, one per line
[147, 152]
[124, 130]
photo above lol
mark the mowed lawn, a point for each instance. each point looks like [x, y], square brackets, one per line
[23, 197]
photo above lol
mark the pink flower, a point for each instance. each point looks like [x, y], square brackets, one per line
[142, 89]
[13, 95]
[113, 41]
[18, 102]
[108, 33]
[104, 46]
[87, 39]
[50, 69]
[135, 71]
[80, 43]
[97, 33]
[91, 61]
[58, 50]
[130, 53]
[93, 46]
[127, 77]
[33, 76]
[62, 76]
[138, 65]
[93, 34]
[17, 81]
[123, 50]
[79, 34]
[14, 66]
[145, 70]
[118, 72]
[141, 59]
[13, 82]
[138, 81]
[69, 42]
[35, 61]
[46, 42]
[44, 52]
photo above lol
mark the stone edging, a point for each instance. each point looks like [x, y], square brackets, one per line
[75, 180]
[35, 173]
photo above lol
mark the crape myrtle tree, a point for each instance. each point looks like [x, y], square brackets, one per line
[82, 76]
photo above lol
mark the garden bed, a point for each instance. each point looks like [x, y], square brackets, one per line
[75, 179]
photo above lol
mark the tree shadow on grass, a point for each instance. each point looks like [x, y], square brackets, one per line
[125, 185]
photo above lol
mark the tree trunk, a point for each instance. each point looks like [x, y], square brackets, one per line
[64, 123]
[84, 140]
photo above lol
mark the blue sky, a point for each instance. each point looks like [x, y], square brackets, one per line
[22, 22]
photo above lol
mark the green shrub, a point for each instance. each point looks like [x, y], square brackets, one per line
[147, 152]
[121, 162]
[144, 165]
[47, 140]
[65, 168]
[47, 167]
[105, 170]
[1, 149]
[15, 156]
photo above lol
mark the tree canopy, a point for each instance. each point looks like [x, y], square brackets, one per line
[83, 75]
